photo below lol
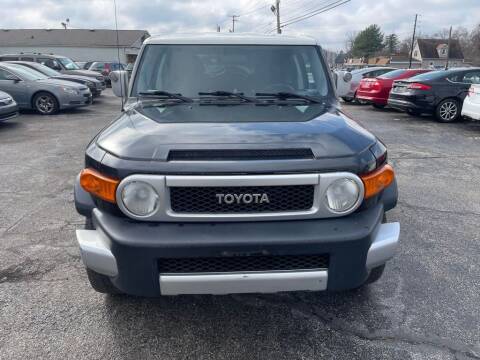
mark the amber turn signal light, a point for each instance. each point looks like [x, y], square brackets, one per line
[99, 185]
[378, 180]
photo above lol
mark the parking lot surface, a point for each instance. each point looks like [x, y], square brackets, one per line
[426, 306]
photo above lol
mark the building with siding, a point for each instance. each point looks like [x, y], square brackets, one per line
[77, 44]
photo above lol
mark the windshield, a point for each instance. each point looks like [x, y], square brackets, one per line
[45, 70]
[26, 73]
[246, 69]
[392, 74]
[68, 64]
[431, 75]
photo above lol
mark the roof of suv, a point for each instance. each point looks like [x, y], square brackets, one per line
[230, 39]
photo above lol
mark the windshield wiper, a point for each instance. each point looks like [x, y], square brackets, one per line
[228, 94]
[289, 95]
[165, 94]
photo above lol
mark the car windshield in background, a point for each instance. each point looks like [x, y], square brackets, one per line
[245, 69]
[26, 73]
[431, 75]
[392, 74]
[68, 64]
[46, 70]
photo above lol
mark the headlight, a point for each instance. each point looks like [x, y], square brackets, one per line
[70, 90]
[139, 198]
[342, 195]
[90, 84]
[347, 76]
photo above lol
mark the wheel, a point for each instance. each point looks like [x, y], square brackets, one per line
[101, 283]
[448, 111]
[347, 100]
[89, 224]
[45, 103]
[378, 106]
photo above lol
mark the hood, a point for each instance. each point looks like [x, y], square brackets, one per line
[147, 132]
[75, 78]
[87, 73]
[60, 82]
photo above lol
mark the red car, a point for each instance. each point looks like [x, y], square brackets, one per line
[376, 90]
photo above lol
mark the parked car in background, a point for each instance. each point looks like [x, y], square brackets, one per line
[348, 82]
[96, 86]
[56, 62]
[471, 104]
[440, 93]
[376, 90]
[8, 107]
[33, 90]
[105, 68]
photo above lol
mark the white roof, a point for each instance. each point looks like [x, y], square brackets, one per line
[231, 38]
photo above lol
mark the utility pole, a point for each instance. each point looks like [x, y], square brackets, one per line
[448, 48]
[413, 41]
[234, 20]
[277, 6]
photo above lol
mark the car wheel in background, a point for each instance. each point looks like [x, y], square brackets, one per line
[378, 106]
[45, 103]
[448, 111]
[346, 99]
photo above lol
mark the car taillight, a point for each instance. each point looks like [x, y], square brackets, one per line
[471, 91]
[418, 86]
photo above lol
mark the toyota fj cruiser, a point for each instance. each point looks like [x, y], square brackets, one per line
[232, 169]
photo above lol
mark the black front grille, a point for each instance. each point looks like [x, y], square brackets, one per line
[239, 154]
[217, 199]
[242, 264]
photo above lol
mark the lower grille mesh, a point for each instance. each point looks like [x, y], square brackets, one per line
[242, 263]
[205, 199]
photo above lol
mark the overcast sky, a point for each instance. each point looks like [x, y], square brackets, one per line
[160, 16]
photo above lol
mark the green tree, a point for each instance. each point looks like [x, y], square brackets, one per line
[368, 42]
[391, 44]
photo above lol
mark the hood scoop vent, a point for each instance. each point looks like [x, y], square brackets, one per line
[240, 154]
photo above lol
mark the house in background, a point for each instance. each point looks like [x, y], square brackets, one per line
[77, 44]
[433, 53]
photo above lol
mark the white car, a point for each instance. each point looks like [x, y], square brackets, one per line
[471, 104]
[348, 82]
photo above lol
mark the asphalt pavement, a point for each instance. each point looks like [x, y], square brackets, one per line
[426, 306]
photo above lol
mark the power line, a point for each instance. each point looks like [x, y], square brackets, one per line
[314, 13]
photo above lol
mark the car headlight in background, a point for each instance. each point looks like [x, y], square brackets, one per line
[6, 101]
[347, 76]
[70, 90]
[90, 84]
[139, 198]
[342, 195]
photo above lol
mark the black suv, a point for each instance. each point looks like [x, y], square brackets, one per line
[233, 170]
[440, 93]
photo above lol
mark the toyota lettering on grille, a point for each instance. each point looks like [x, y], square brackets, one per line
[230, 199]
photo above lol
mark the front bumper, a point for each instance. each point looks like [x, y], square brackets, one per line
[84, 98]
[471, 110]
[129, 252]
[9, 111]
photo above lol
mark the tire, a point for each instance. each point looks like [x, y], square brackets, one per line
[101, 283]
[448, 111]
[347, 100]
[378, 106]
[45, 103]
[89, 224]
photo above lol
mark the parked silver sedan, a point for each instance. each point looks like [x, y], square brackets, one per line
[8, 107]
[33, 90]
